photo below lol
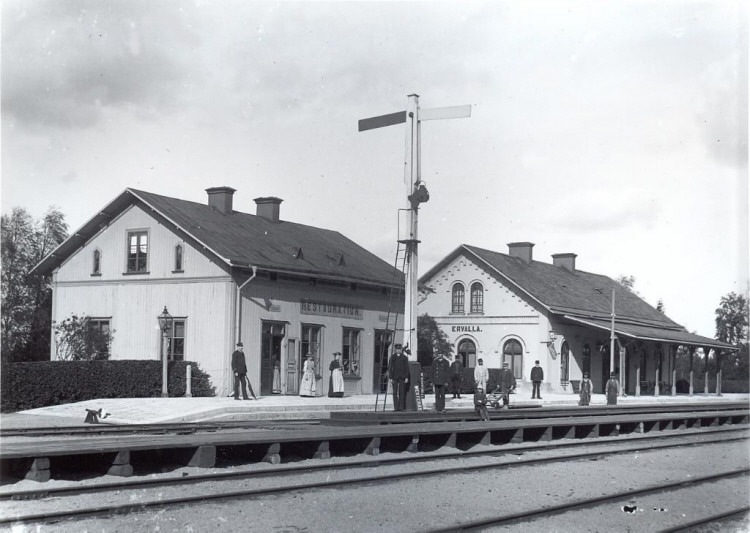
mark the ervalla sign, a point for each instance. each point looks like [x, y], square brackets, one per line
[466, 329]
[314, 307]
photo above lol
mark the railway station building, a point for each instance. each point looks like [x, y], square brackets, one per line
[284, 289]
[509, 307]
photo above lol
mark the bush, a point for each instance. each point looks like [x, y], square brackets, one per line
[44, 383]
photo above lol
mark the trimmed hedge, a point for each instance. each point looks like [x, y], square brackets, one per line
[467, 383]
[43, 383]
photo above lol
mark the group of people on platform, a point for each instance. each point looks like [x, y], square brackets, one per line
[443, 373]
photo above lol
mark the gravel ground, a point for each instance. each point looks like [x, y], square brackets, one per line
[443, 501]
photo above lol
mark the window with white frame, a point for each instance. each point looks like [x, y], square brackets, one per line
[178, 258]
[457, 298]
[176, 340]
[350, 352]
[96, 263]
[310, 344]
[100, 328]
[477, 298]
[137, 251]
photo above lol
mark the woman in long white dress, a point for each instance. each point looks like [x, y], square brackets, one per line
[336, 381]
[307, 387]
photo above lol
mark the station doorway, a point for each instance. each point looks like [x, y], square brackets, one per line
[272, 337]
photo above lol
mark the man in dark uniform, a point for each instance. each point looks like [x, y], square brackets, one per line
[537, 376]
[457, 376]
[398, 371]
[240, 371]
[441, 372]
[506, 383]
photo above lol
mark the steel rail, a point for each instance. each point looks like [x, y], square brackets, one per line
[514, 518]
[632, 443]
[387, 478]
[713, 518]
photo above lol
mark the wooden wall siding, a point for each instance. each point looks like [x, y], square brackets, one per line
[277, 301]
[134, 307]
[113, 243]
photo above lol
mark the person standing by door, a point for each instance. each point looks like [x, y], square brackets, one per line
[441, 372]
[506, 384]
[537, 376]
[398, 371]
[307, 387]
[336, 381]
[481, 375]
[239, 368]
[457, 376]
[586, 387]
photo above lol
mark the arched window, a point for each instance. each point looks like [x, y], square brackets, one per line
[96, 267]
[477, 298]
[467, 353]
[564, 362]
[178, 258]
[457, 301]
[513, 355]
[586, 355]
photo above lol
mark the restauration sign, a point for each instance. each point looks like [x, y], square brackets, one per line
[315, 307]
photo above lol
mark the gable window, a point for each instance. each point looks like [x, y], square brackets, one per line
[350, 352]
[477, 298]
[137, 251]
[176, 340]
[96, 265]
[513, 355]
[457, 299]
[178, 258]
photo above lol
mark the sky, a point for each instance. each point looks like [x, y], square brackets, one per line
[613, 130]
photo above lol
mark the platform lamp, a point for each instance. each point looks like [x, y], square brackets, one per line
[165, 324]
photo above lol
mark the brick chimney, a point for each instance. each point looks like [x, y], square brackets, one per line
[522, 250]
[268, 207]
[566, 261]
[221, 198]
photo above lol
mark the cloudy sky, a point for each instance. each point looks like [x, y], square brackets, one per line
[614, 130]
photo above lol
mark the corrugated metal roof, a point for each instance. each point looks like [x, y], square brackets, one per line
[242, 239]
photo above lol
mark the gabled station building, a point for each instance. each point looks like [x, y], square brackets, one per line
[284, 289]
[512, 308]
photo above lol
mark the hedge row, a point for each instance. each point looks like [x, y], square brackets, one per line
[467, 381]
[43, 383]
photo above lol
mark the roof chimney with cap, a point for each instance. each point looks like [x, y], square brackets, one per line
[566, 261]
[521, 250]
[221, 198]
[268, 207]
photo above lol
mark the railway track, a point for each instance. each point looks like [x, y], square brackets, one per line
[124, 497]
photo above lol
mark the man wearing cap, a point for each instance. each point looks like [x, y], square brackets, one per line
[441, 372]
[506, 383]
[537, 376]
[240, 371]
[481, 375]
[398, 371]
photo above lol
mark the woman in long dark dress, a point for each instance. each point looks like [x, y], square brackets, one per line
[336, 381]
[586, 387]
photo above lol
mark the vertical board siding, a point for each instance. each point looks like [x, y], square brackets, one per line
[113, 244]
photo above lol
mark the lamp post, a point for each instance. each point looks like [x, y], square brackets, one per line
[165, 324]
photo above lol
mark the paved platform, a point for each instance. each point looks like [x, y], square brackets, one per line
[175, 410]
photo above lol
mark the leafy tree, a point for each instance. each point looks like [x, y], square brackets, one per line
[77, 340]
[26, 299]
[732, 328]
[431, 340]
[628, 282]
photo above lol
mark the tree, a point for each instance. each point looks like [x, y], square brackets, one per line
[27, 300]
[660, 306]
[77, 340]
[431, 340]
[732, 328]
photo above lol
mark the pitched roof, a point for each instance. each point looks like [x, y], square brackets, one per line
[580, 295]
[241, 240]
